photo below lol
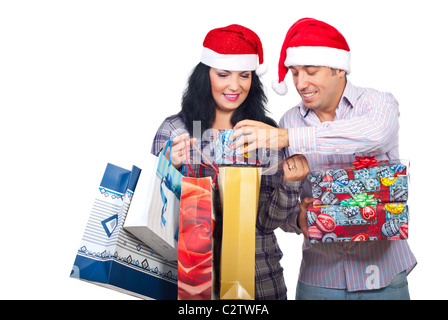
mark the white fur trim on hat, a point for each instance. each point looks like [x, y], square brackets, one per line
[280, 88]
[229, 62]
[318, 56]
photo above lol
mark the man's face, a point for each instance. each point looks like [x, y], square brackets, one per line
[320, 87]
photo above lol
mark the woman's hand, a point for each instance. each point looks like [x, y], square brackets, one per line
[257, 135]
[295, 168]
[177, 151]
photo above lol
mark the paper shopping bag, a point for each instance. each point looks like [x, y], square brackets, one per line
[112, 257]
[239, 189]
[154, 214]
[196, 226]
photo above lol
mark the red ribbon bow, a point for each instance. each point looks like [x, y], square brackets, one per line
[365, 162]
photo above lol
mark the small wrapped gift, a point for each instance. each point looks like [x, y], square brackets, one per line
[386, 181]
[225, 155]
[357, 220]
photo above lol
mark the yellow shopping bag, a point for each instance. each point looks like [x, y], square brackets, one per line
[239, 189]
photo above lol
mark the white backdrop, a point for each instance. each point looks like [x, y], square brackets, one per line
[83, 83]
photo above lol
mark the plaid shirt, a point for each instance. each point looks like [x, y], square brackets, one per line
[277, 200]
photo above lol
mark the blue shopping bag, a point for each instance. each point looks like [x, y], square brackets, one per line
[112, 257]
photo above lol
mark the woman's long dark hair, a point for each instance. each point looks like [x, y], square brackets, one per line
[198, 103]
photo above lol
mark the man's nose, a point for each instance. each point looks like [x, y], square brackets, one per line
[301, 81]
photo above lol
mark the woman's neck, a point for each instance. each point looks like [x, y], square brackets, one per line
[223, 120]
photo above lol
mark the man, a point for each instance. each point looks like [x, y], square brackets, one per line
[334, 122]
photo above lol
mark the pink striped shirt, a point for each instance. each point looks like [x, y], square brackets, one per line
[366, 124]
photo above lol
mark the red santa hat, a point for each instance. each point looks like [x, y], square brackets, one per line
[233, 48]
[310, 42]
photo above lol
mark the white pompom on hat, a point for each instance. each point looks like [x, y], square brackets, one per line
[310, 42]
[233, 48]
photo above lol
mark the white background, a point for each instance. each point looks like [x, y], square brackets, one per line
[83, 83]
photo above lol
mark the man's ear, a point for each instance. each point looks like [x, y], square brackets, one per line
[340, 73]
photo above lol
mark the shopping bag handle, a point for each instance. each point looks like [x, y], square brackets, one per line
[168, 144]
[166, 179]
[209, 163]
[201, 165]
[187, 165]
[214, 167]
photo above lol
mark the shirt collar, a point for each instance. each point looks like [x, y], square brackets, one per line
[350, 94]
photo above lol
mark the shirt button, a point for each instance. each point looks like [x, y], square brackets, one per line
[337, 150]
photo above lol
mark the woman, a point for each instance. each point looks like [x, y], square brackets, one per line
[223, 89]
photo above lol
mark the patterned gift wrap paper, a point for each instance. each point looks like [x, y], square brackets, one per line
[349, 171]
[385, 189]
[334, 223]
[225, 155]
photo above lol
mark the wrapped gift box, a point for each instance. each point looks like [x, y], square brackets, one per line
[363, 167]
[386, 181]
[336, 223]
[393, 189]
[225, 155]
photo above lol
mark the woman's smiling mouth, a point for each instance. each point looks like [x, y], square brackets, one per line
[231, 97]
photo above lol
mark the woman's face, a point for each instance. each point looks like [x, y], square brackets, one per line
[229, 88]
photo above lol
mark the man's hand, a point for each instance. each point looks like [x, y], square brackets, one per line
[302, 219]
[258, 135]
